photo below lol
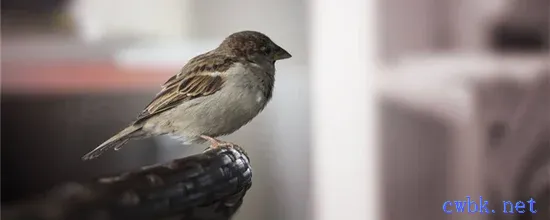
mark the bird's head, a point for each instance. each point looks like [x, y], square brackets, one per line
[253, 45]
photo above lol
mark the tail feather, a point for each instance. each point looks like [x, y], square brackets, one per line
[116, 142]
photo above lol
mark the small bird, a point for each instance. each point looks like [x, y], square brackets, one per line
[214, 94]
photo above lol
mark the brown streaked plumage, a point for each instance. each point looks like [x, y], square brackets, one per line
[183, 87]
[214, 94]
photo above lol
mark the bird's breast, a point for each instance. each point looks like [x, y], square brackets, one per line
[242, 97]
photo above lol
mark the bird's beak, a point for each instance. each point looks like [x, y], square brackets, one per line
[281, 54]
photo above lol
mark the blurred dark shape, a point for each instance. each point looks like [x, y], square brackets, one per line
[525, 28]
[210, 185]
[497, 132]
[32, 6]
[31, 15]
[514, 38]
[44, 136]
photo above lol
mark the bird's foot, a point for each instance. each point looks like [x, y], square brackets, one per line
[215, 143]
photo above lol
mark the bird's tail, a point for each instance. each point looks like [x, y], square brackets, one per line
[116, 142]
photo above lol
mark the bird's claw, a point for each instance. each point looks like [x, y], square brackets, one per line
[225, 144]
[215, 143]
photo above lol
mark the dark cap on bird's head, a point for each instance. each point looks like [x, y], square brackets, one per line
[253, 43]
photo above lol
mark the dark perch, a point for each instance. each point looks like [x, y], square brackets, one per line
[209, 186]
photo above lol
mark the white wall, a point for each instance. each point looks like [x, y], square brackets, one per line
[97, 19]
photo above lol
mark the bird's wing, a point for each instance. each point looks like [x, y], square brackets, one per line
[202, 76]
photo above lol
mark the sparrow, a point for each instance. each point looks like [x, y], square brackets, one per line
[214, 94]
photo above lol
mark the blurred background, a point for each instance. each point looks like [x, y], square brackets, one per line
[465, 97]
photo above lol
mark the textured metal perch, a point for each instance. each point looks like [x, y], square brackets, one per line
[209, 186]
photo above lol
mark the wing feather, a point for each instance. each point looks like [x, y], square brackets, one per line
[198, 78]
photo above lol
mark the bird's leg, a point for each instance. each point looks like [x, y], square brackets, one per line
[215, 143]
